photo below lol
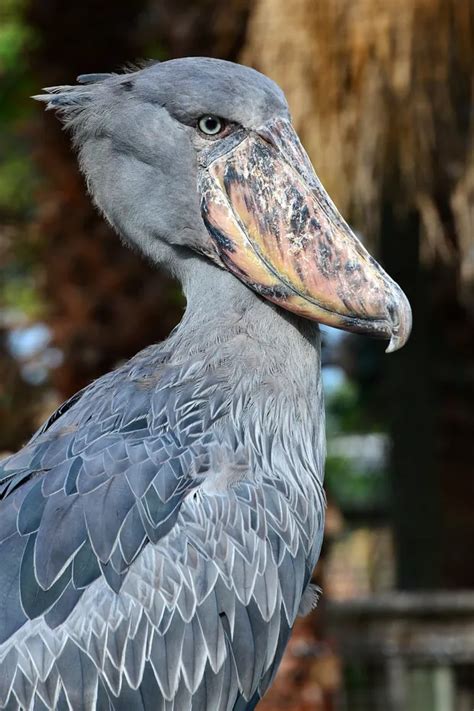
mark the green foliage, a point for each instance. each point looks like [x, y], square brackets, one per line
[18, 178]
[355, 488]
[19, 295]
[351, 482]
[17, 175]
[17, 39]
[343, 411]
[14, 38]
[17, 182]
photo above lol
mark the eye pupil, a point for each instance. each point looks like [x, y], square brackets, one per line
[210, 125]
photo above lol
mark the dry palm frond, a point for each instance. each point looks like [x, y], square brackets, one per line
[381, 92]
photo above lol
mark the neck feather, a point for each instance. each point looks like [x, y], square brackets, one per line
[225, 319]
[268, 363]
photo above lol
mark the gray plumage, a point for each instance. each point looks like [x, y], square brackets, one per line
[163, 529]
[158, 534]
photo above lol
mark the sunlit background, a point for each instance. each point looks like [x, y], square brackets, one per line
[381, 94]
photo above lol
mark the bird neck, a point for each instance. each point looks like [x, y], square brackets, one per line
[226, 321]
[265, 364]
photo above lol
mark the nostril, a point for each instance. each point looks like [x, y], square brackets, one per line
[264, 133]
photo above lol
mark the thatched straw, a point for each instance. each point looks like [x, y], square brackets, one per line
[381, 93]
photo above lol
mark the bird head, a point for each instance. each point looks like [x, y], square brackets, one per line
[200, 155]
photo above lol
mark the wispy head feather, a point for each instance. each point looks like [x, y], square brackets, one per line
[69, 99]
[74, 103]
[92, 78]
[63, 97]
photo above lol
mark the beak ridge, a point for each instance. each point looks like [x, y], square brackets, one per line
[275, 227]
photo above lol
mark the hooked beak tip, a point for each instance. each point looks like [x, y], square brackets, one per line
[394, 345]
[401, 323]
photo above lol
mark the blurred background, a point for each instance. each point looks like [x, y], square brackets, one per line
[381, 93]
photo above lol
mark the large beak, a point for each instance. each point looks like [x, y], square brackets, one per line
[275, 227]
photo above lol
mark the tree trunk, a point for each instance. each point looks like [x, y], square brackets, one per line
[380, 93]
[105, 303]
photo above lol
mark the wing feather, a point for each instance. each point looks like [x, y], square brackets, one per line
[142, 565]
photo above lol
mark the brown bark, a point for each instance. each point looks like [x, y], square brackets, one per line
[381, 95]
[105, 303]
[379, 89]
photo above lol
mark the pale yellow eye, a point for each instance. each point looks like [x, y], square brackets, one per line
[210, 125]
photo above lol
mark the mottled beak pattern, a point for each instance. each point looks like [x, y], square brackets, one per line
[276, 228]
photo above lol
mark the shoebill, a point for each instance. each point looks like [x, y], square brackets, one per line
[159, 532]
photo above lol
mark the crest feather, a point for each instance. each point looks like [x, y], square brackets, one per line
[93, 78]
[63, 96]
